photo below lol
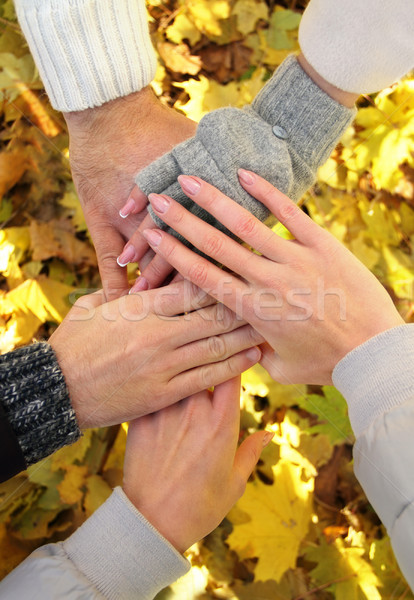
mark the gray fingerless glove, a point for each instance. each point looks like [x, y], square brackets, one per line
[285, 135]
[36, 401]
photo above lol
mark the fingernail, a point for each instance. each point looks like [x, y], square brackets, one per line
[160, 203]
[267, 438]
[152, 236]
[189, 184]
[245, 176]
[140, 285]
[254, 354]
[127, 209]
[127, 255]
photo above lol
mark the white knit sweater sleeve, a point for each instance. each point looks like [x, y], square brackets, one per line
[359, 46]
[88, 51]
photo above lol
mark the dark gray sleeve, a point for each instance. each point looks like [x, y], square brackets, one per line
[35, 401]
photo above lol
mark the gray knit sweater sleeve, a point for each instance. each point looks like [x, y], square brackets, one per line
[35, 401]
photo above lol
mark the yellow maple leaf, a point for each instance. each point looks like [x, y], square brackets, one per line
[347, 569]
[207, 15]
[70, 488]
[183, 29]
[97, 491]
[207, 95]
[248, 12]
[14, 244]
[277, 520]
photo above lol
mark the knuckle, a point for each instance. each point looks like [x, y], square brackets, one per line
[155, 269]
[198, 273]
[217, 347]
[224, 317]
[288, 211]
[253, 336]
[196, 295]
[213, 245]
[245, 226]
[206, 376]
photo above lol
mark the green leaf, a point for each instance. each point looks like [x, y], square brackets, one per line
[332, 412]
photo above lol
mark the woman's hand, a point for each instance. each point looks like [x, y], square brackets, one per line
[309, 297]
[142, 352]
[182, 468]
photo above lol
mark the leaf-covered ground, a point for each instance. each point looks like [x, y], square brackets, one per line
[304, 529]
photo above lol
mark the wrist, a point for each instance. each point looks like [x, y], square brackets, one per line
[136, 105]
[347, 99]
[167, 522]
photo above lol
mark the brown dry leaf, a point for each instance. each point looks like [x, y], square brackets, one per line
[226, 62]
[327, 480]
[38, 112]
[57, 239]
[12, 167]
[178, 58]
[70, 488]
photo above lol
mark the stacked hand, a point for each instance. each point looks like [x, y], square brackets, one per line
[108, 146]
[140, 353]
[309, 297]
[182, 468]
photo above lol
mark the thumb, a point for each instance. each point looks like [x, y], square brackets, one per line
[249, 453]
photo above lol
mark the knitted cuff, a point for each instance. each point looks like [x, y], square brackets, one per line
[377, 376]
[309, 119]
[122, 554]
[359, 47]
[36, 401]
[88, 51]
[284, 136]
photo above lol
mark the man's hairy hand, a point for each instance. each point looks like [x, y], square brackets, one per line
[108, 146]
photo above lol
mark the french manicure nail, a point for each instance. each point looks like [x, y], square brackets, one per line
[127, 209]
[140, 285]
[189, 184]
[127, 255]
[267, 438]
[160, 203]
[245, 176]
[152, 236]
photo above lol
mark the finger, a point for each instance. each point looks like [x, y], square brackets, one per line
[154, 274]
[206, 322]
[226, 405]
[274, 365]
[136, 202]
[224, 287]
[146, 259]
[217, 348]
[86, 303]
[201, 378]
[237, 219]
[178, 298]
[137, 246]
[108, 244]
[246, 459]
[204, 237]
[286, 211]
